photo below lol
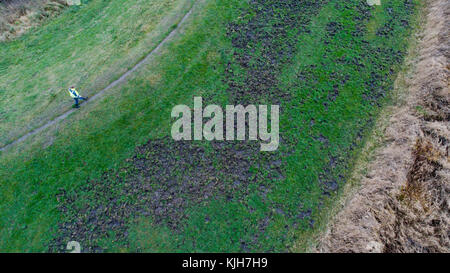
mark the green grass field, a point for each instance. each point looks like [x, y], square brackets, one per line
[111, 177]
[87, 47]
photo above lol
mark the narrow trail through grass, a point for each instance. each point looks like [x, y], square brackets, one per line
[122, 79]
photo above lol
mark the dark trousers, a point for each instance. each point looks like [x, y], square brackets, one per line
[76, 101]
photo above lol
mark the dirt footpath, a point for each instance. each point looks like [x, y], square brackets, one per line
[402, 202]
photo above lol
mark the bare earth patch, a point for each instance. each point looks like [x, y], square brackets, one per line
[402, 202]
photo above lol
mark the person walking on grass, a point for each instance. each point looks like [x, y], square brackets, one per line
[74, 94]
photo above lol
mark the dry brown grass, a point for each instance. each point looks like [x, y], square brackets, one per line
[421, 218]
[402, 204]
[18, 16]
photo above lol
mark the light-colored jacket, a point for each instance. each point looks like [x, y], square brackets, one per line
[73, 93]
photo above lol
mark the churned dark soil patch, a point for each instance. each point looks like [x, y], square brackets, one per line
[18, 16]
[161, 180]
[263, 44]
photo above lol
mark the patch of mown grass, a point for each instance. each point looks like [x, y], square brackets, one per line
[88, 46]
[321, 132]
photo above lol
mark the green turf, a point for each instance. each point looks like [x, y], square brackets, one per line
[87, 46]
[105, 133]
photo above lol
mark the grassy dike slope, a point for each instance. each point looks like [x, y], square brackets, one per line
[87, 46]
[111, 178]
